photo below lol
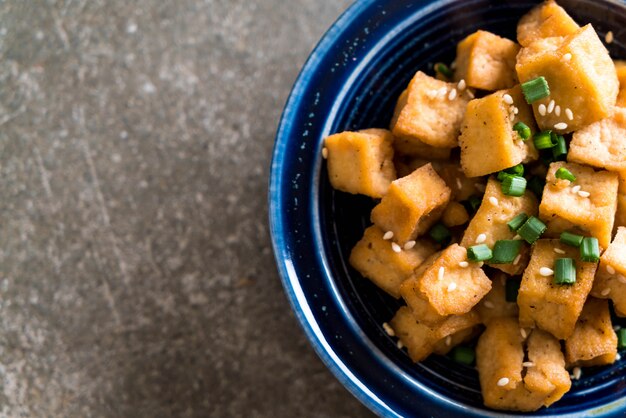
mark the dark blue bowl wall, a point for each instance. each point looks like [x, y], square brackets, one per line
[366, 85]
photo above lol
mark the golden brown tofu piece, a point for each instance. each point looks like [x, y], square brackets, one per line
[421, 340]
[374, 258]
[432, 114]
[544, 304]
[610, 282]
[448, 286]
[564, 210]
[462, 187]
[412, 204]
[593, 343]
[488, 141]
[545, 21]
[602, 143]
[454, 215]
[491, 219]
[620, 68]
[361, 162]
[486, 61]
[494, 304]
[620, 215]
[581, 77]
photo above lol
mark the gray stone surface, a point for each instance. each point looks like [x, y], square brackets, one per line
[136, 275]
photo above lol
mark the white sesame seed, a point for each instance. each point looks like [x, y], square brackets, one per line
[432, 94]
[470, 94]
[481, 238]
[569, 114]
[480, 187]
[551, 106]
[451, 287]
[515, 110]
[448, 340]
[558, 250]
[388, 235]
[388, 329]
[400, 345]
[409, 245]
[542, 109]
[518, 237]
[463, 264]
[557, 110]
[453, 65]
[621, 279]
[609, 37]
[584, 194]
[395, 247]
[560, 126]
[462, 85]
[528, 364]
[616, 328]
[441, 272]
[452, 94]
[324, 153]
[610, 269]
[494, 201]
[507, 99]
[503, 381]
[606, 291]
[618, 357]
[442, 92]
[522, 331]
[575, 189]
[459, 184]
[567, 56]
[577, 373]
[488, 304]
[546, 271]
[517, 260]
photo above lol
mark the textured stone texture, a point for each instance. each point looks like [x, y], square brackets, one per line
[136, 276]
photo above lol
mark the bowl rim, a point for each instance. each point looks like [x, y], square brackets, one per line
[287, 272]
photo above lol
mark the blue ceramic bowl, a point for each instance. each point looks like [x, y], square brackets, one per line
[351, 81]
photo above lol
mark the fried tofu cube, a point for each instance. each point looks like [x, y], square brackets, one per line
[499, 359]
[602, 143]
[374, 258]
[431, 114]
[546, 305]
[581, 77]
[454, 215]
[421, 340]
[494, 304]
[445, 287]
[412, 204]
[593, 343]
[491, 219]
[462, 187]
[361, 162]
[563, 210]
[545, 21]
[620, 68]
[486, 61]
[488, 141]
[610, 282]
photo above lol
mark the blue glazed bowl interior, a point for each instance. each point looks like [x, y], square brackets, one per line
[352, 81]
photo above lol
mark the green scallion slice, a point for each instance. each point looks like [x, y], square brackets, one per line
[571, 239]
[514, 185]
[559, 151]
[463, 354]
[522, 130]
[535, 89]
[565, 174]
[443, 69]
[505, 251]
[536, 185]
[511, 289]
[564, 271]
[532, 230]
[440, 233]
[515, 223]
[544, 140]
[472, 204]
[516, 170]
[621, 338]
[479, 253]
[590, 250]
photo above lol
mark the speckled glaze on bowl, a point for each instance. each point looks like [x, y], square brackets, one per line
[351, 81]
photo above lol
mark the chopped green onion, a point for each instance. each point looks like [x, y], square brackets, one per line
[515, 223]
[463, 355]
[511, 289]
[444, 70]
[514, 186]
[536, 185]
[571, 239]
[564, 271]
[472, 204]
[621, 338]
[565, 174]
[479, 253]
[559, 151]
[516, 170]
[544, 140]
[502, 175]
[522, 130]
[535, 89]
[590, 250]
[505, 251]
[440, 233]
[532, 229]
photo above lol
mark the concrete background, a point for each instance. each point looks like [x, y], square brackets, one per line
[136, 275]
